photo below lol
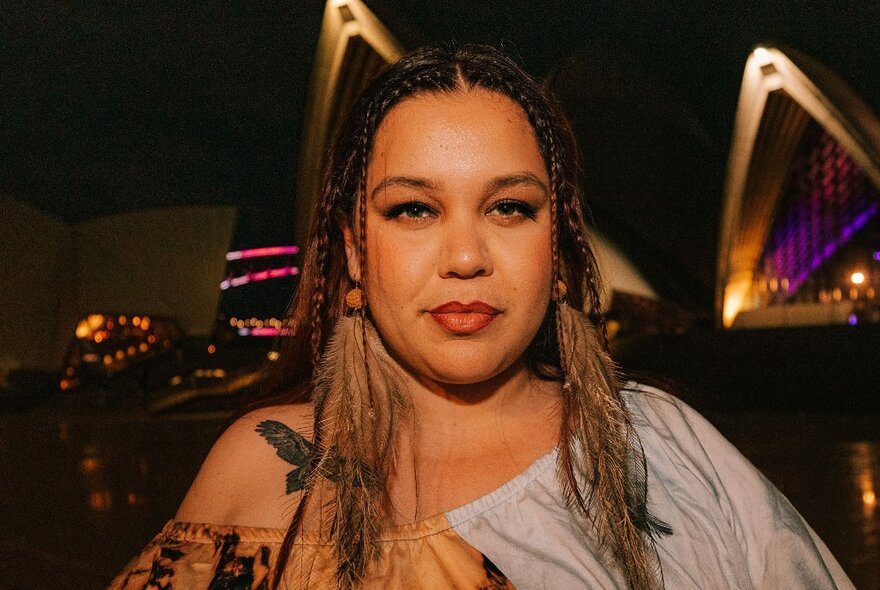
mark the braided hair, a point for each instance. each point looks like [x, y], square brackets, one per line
[319, 301]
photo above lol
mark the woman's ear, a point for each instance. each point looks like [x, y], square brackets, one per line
[351, 253]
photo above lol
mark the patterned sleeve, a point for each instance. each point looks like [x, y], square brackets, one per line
[195, 556]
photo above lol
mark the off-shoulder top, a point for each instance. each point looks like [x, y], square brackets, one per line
[731, 529]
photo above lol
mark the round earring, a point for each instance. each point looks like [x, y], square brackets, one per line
[561, 291]
[354, 299]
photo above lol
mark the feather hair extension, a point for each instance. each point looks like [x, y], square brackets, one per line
[359, 396]
[598, 441]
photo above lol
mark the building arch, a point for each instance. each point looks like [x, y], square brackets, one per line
[352, 47]
[785, 96]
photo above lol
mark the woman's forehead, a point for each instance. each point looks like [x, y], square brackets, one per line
[466, 132]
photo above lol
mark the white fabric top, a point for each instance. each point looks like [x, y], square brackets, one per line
[731, 527]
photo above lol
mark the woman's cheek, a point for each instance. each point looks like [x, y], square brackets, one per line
[399, 262]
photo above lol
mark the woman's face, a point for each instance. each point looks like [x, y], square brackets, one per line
[458, 236]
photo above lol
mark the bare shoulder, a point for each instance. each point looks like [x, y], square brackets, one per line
[254, 472]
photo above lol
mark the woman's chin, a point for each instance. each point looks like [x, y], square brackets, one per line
[468, 371]
[459, 363]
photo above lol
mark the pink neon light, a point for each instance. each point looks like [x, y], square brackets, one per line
[258, 252]
[238, 281]
[262, 331]
[254, 277]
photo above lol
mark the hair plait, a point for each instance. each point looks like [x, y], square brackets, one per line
[318, 303]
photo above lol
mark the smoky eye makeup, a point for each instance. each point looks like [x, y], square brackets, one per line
[408, 210]
[513, 207]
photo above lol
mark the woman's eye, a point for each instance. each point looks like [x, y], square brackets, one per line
[512, 208]
[412, 210]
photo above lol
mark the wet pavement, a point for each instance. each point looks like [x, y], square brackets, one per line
[82, 489]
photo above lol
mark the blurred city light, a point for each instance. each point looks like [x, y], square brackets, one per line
[260, 252]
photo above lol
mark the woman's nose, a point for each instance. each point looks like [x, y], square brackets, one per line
[464, 252]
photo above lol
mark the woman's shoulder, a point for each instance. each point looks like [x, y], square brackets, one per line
[668, 425]
[680, 444]
[653, 403]
[253, 473]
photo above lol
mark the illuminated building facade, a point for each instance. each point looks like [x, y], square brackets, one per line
[161, 262]
[800, 238]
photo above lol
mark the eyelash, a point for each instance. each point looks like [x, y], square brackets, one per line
[420, 209]
[520, 207]
[408, 207]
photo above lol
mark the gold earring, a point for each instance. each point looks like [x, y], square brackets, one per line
[561, 291]
[354, 299]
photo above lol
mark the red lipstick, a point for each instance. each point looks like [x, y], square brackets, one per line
[464, 318]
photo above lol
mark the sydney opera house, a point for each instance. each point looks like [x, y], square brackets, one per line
[789, 251]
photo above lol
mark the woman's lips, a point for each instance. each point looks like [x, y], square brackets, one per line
[464, 318]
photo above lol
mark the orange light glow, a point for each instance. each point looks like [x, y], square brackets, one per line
[100, 500]
[83, 330]
[130, 351]
[145, 323]
[869, 498]
[123, 320]
[143, 347]
[95, 321]
[108, 360]
[99, 337]
[212, 349]
[120, 354]
[151, 339]
[857, 278]
[136, 320]
[90, 465]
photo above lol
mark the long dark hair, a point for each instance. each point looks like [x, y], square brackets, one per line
[319, 301]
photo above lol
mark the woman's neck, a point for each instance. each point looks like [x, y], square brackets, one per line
[450, 411]
[460, 442]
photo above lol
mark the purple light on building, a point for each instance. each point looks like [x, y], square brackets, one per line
[827, 200]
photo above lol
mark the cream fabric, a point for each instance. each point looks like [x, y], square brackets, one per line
[732, 527]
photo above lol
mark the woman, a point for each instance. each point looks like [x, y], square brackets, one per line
[451, 418]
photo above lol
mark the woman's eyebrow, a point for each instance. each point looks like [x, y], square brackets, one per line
[518, 179]
[496, 184]
[415, 182]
